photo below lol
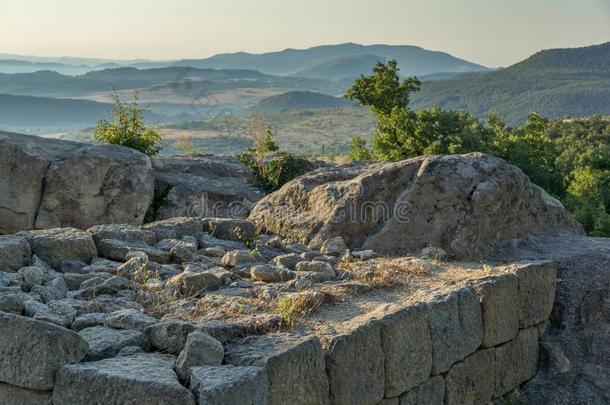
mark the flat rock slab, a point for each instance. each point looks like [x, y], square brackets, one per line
[106, 342]
[31, 351]
[229, 385]
[294, 365]
[137, 379]
[59, 244]
[119, 249]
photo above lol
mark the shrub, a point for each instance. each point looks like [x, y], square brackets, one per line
[127, 128]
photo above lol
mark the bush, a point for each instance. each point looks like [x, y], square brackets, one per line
[127, 128]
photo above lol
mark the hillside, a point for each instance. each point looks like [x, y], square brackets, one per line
[554, 83]
[412, 59]
[27, 114]
[297, 100]
[349, 67]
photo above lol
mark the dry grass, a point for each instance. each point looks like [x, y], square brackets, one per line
[294, 307]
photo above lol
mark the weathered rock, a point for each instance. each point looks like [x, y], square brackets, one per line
[12, 303]
[56, 183]
[214, 251]
[464, 204]
[88, 320]
[355, 366]
[516, 361]
[174, 228]
[266, 273]
[206, 240]
[500, 306]
[430, 392]
[334, 246]
[238, 257]
[211, 186]
[456, 328]
[289, 260]
[121, 232]
[536, 291]
[316, 267]
[12, 395]
[31, 351]
[119, 250]
[106, 342]
[433, 253]
[406, 342]
[130, 319]
[74, 280]
[56, 245]
[229, 385]
[100, 266]
[234, 229]
[32, 276]
[200, 350]
[191, 284]
[15, 252]
[364, 254]
[294, 365]
[471, 381]
[136, 379]
[169, 335]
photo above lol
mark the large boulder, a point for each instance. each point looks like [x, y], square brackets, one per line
[465, 204]
[211, 186]
[31, 351]
[54, 183]
[57, 245]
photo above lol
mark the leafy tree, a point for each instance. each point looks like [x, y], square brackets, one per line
[127, 128]
[383, 91]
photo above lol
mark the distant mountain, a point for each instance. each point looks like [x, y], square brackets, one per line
[348, 67]
[297, 100]
[413, 60]
[555, 83]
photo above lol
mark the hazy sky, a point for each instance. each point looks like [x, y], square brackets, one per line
[491, 32]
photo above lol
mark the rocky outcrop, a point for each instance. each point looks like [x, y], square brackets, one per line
[465, 204]
[50, 183]
[575, 352]
[210, 186]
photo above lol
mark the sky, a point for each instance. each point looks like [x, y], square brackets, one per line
[489, 32]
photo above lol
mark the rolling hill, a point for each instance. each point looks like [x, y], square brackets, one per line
[555, 83]
[297, 100]
[412, 59]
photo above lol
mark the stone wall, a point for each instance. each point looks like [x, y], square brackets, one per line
[467, 345]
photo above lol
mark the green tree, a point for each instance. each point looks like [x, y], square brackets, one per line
[359, 149]
[126, 128]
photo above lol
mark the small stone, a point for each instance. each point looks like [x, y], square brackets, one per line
[193, 284]
[238, 257]
[32, 276]
[200, 350]
[266, 273]
[289, 260]
[72, 266]
[130, 319]
[88, 320]
[106, 342]
[169, 335]
[433, 253]
[275, 242]
[316, 267]
[215, 251]
[11, 303]
[364, 254]
[334, 246]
